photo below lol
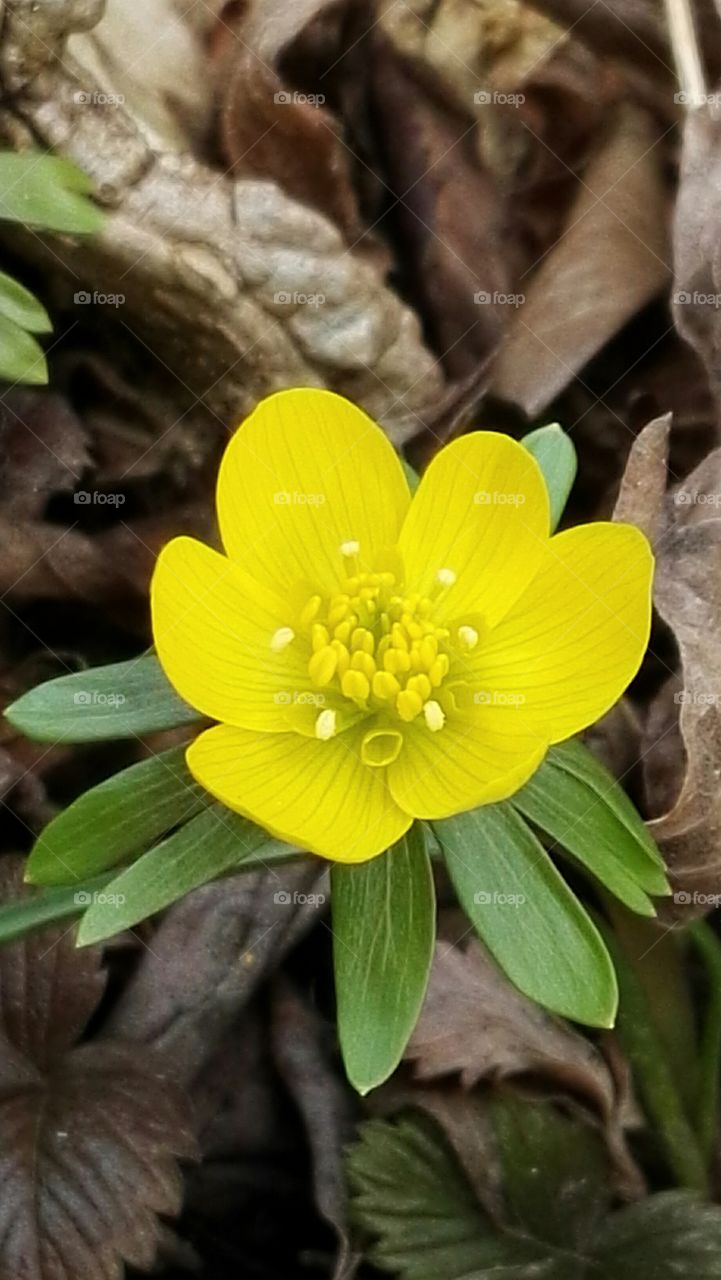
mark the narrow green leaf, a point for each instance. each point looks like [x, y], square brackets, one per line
[526, 914]
[22, 359]
[117, 820]
[48, 192]
[578, 803]
[556, 456]
[118, 701]
[384, 924]
[47, 906]
[22, 307]
[212, 843]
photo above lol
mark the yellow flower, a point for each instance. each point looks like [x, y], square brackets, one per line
[373, 659]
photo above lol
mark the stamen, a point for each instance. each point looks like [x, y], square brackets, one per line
[467, 638]
[281, 639]
[325, 725]
[434, 716]
[446, 577]
[350, 548]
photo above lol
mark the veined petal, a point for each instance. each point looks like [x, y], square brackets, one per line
[307, 473]
[577, 636]
[315, 794]
[470, 761]
[213, 627]
[482, 512]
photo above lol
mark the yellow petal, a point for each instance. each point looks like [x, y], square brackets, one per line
[216, 635]
[315, 794]
[576, 638]
[481, 511]
[467, 762]
[307, 473]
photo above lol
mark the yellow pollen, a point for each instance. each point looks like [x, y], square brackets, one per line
[355, 685]
[322, 666]
[408, 704]
[281, 639]
[319, 636]
[385, 686]
[434, 717]
[350, 548]
[325, 725]
[310, 612]
[446, 577]
[467, 638]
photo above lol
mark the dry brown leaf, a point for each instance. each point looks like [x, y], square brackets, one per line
[610, 261]
[685, 526]
[222, 280]
[697, 244]
[476, 1024]
[89, 1134]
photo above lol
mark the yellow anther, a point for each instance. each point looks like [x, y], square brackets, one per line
[429, 651]
[355, 685]
[325, 725]
[446, 577]
[342, 632]
[396, 661]
[319, 636]
[339, 611]
[322, 666]
[363, 662]
[417, 663]
[439, 670]
[434, 716]
[399, 639]
[350, 548]
[467, 638]
[281, 639]
[310, 612]
[408, 704]
[343, 657]
[421, 685]
[385, 686]
[362, 639]
[414, 629]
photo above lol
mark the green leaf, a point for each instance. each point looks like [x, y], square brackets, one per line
[20, 306]
[529, 919]
[670, 1236]
[384, 924]
[119, 701]
[47, 906]
[117, 820]
[411, 475]
[48, 192]
[424, 1221]
[578, 803]
[556, 456]
[22, 359]
[214, 842]
[411, 1194]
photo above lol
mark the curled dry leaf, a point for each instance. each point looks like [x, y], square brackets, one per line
[216, 275]
[475, 1023]
[697, 246]
[90, 1132]
[686, 529]
[610, 260]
